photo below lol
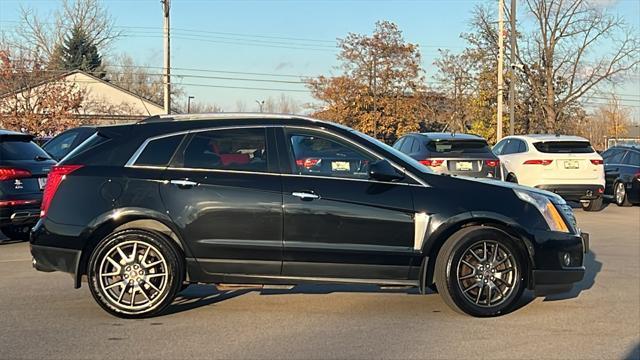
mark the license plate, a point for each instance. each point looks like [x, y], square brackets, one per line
[42, 182]
[571, 164]
[340, 166]
[464, 166]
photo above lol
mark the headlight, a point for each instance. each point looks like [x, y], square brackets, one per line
[546, 208]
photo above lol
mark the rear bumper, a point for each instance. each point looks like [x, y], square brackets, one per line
[575, 192]
[48, 259]
[20, 215]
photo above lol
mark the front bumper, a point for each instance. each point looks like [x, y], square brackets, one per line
[574, 192]
[551, 274]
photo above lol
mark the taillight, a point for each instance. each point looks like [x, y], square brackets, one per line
[17, 202]
[492, 163]
[13, 173]
[597, 162]
[56, 176]
[538, 162]
[308, 162]
[431, 162]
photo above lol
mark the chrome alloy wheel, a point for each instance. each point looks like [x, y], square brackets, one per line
[133, 275]
[620, 193]
[487, 273]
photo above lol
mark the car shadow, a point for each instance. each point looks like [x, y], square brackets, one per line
[576, 205]
[9, 241]
[592, 267]
[196, 296]
[634, 354]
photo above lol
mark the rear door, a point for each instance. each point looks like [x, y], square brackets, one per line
[224, 193]
[612, 163]
[337, 222]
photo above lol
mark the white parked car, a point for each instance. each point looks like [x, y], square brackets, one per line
[566, 165]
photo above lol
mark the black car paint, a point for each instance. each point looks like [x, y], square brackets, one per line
[27, 188]
[624, 170]
[246, 227]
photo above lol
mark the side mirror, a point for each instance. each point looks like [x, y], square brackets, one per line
[381, 170]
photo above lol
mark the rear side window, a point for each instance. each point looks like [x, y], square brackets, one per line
[633, 158]
[460, 146]
[552, 147]
[20, 150]
[236, 149]
[159, 152]
[60, 146]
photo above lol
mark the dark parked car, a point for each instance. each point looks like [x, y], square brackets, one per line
[62, 144]
[144, 209]
[23, 172]
[449, 153]
[622, 174]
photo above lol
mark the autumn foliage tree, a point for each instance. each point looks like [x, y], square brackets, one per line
[381, 89]
[30, 102]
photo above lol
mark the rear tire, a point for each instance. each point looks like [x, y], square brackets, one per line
[512, 178]
[592, 205]
[135, 273]
[479, 271]
[620, 195]
[15, 232]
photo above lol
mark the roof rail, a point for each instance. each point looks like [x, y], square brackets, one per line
[216, 116]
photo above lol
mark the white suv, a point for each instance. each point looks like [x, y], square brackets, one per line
[566, 165]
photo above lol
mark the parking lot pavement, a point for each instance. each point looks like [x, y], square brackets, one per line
[42, 316]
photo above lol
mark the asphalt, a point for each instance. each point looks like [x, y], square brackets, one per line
[42, 316]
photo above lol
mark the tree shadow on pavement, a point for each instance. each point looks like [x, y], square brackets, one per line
[593, 267]
[634, 354]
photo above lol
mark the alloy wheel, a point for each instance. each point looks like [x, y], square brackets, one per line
[487, 273]
[133, 275]
[620, 193]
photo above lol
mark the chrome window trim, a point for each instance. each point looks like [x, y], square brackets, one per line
[131, 162]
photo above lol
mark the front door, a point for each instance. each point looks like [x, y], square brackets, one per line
[224, 195]
[337, 222]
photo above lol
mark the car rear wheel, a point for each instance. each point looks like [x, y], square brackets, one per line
[592, 205]
[15, 232]
[135, 273]
[512, 178]
[620, 195]
[479, 271]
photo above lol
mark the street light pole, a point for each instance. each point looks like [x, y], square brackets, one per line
[189, 104]
[260, 104]
[500, 65]
[512, 83]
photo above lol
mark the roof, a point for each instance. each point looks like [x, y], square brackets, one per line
[451, 136]
[236, 116]
[548, 137]
[10, 132]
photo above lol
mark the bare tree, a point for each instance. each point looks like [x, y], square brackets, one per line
[575, 47]
[202, 107]
[241, 106]
[43, 34]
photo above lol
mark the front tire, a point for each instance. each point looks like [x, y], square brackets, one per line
[479, 271]
[135, 273]
[620, 195]
[592, 205]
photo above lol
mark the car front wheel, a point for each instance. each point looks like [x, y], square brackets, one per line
[135, 273]
[479, 272]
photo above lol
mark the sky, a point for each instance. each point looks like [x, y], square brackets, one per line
[216, 42]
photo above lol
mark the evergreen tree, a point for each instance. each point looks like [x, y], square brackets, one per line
[78, 52]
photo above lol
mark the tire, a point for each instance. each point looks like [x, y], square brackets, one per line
[139, 286]
[466, 288]
[15, 232]
[592, 205]
[512, 178]
[620, 195]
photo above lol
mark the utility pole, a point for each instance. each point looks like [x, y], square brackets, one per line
[260, 104]
[375, 97]
[167, 59]
[500, 65]
[512, 83]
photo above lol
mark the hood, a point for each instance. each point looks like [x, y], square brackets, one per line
[554, 198]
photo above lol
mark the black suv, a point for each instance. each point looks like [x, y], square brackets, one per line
[145, 209]
[622, 174]
[450, 153]
[23, 172]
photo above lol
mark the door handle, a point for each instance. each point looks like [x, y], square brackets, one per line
[305, 195]
[183, 183]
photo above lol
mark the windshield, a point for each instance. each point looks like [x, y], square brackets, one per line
[459, 146]
[406, 158]
[21, 150]
[582, 147]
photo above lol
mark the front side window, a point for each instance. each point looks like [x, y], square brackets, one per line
[633, 158]
[497, 149]
[324, 156]
[511, 147]
[159, 152]
[233, 149]
[61, 145]
[408, 144]
[398, 144]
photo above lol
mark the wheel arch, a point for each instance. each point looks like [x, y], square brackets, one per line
[442, 233]
[122, 219]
